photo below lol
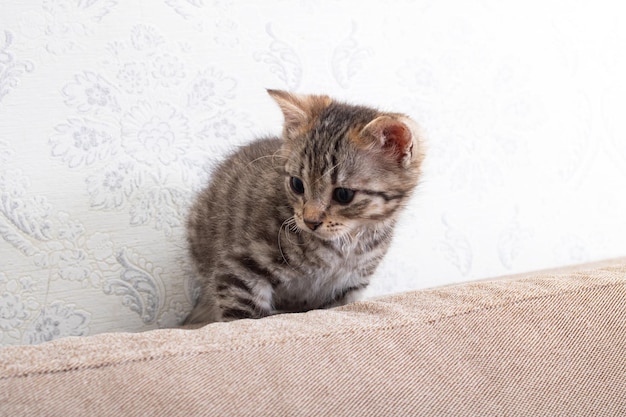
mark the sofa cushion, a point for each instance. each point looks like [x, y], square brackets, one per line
[548, 343]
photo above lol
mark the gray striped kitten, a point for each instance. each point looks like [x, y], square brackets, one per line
[302, 221]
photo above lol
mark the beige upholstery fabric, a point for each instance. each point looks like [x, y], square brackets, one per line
[551, 343]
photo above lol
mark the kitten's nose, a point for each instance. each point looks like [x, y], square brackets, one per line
[312, 224]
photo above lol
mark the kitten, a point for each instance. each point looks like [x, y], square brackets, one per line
[301, 222]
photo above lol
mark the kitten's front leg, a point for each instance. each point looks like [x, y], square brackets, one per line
[349, 295]
[254, 303]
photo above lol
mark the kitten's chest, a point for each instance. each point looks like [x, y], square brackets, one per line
[325, 272]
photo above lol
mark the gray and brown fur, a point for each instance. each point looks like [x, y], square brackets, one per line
[262, 246]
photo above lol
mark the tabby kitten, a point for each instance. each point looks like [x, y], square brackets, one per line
[301, 222]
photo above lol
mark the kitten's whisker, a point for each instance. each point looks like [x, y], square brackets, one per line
[293, 228]
[280, 247]
[327, 173]
[291, 160]
[288, 225]
[345, 241]
[274, 155]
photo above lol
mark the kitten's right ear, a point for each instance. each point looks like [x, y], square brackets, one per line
[395, 135]
[299, 110]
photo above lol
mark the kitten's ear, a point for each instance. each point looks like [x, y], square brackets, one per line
[394, 135]
[299, 110]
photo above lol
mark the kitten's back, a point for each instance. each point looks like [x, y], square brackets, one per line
[235, 199]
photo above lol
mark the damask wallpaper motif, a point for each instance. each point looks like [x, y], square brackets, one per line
[112, 115]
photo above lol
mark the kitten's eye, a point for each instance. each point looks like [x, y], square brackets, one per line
[343, 195]
[296, 185]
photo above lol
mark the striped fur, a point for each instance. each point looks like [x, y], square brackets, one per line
[301, 222]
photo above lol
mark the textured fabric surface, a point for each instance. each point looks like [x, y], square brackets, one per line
[113, 113]
[549, 343]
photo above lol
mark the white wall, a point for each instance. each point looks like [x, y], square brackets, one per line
[523, 104]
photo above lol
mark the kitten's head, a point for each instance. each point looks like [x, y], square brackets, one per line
[346, 166]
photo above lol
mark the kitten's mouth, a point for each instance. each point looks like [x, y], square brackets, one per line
[323, 231]
[322, 235]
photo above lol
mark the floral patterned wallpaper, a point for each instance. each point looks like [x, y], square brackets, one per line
[112, 115]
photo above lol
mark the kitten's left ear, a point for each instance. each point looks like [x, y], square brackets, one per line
[299, 110]
[395, 135]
